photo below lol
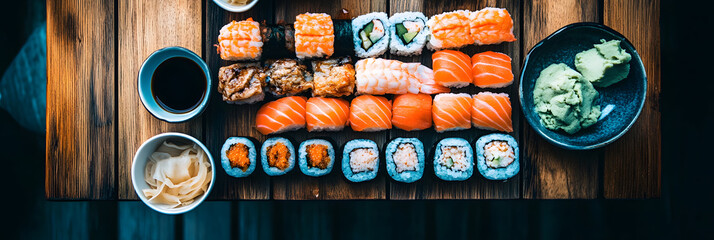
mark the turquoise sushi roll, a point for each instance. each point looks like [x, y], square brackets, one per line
[277, 156]
[497, 156]
[360, 160]
[453, 159]
[317, 156]
[405, 159]
[243, 152]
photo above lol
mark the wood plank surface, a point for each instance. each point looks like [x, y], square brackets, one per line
[144, 27]
[632, 167]
[548, 171]
[476, 187]
[80, 153]
[138, 221]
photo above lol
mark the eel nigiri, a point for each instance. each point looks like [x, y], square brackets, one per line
[370, 113]
[240, 41]
[450, 30]
[491, 26]
[492, 111]
[378, 76]
[314, 35]
[327, 114]
[412, 112]
[452, 111]
[491, 70]
[284, 114]
[452, 68]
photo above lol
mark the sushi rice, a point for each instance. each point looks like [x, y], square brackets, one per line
[303, 159]
[251, 155]
[405, 159]
[453, 159]
[264, 158]
[378, 38]
[360, 160]
[411, 21]
[497, 156]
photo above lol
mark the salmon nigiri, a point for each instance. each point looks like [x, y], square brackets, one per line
[492, 111]
[412, 112]
[452, 111]
[327, 114]
[284, 114]
[452, 68]
[491, 70]
[370, 113]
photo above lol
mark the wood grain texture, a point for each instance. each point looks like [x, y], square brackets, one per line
[227, 120]
[296, 185]
[548, 171]
[632, 167]
[138, 221]
[144, 27]
[80, 156]
[476, 187]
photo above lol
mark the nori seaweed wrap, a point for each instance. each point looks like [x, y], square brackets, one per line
[317, 156]
[360, 160]
[453, 159]
[238, 156]
[497, 156]
[405, 159]
[277, 155]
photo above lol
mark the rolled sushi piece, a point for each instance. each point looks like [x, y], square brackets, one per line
[360, 160]
[408, 33]
[369, 34]
[317, 156]
[453, 159]
[314, 35]
[497, 156]
[405, 159]
[238, 156]
[277, 156]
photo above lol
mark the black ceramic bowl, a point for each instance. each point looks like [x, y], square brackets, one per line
[620, 103]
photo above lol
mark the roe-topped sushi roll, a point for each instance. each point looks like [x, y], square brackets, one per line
[453, 159]
[408, 33]
[317, 157]
[238, 156]
[314, 35]
[449, 30]
[277, 155]
[240, 41]
[360, 160]
[405, 159]
[497, 156]
[369, 33]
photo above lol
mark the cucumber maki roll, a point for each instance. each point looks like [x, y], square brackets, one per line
[497, 156]
[238, 156]
[408, 33]
[405, 159]
[316, 157]
[369, 34]
[360, 160]
[277, 156]
[453, 159]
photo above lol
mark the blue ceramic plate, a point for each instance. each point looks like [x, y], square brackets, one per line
[620, 103]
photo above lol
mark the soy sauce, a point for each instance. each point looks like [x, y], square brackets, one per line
[178, 85]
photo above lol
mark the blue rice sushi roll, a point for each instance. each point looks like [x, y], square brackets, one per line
[497, 156]
[238, 156]
[405, 159]
[317, 157]
[277, 156]
[453, 159]
[369, 34]
[408, 33]
[360, 160]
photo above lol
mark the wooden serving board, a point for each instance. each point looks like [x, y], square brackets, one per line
[95, 121]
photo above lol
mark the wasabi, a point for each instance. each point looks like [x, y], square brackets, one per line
[604, 64]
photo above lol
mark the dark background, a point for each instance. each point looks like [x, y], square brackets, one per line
[685, 209]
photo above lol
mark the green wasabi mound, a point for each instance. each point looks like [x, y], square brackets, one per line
[605, 64]
[565, 100]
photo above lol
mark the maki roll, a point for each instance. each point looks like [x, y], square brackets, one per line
[405, 159]
[316, 157]
[369, 34]
[238, 156]
[453, 159]
[360, 160]
[239, 41]
[277, 156]
[314, 35]
[408, 33]
[497, 156]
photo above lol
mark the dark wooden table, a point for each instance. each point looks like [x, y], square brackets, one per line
[95, 121]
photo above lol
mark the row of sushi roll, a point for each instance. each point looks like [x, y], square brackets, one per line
[368, 113]
[496, 158]
[317, 35]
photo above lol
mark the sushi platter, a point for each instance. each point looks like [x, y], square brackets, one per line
[323, 100]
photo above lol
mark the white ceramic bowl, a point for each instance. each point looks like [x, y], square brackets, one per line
[232, 8]
[139, 164]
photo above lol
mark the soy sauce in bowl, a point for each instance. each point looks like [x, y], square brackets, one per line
[178, 85]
